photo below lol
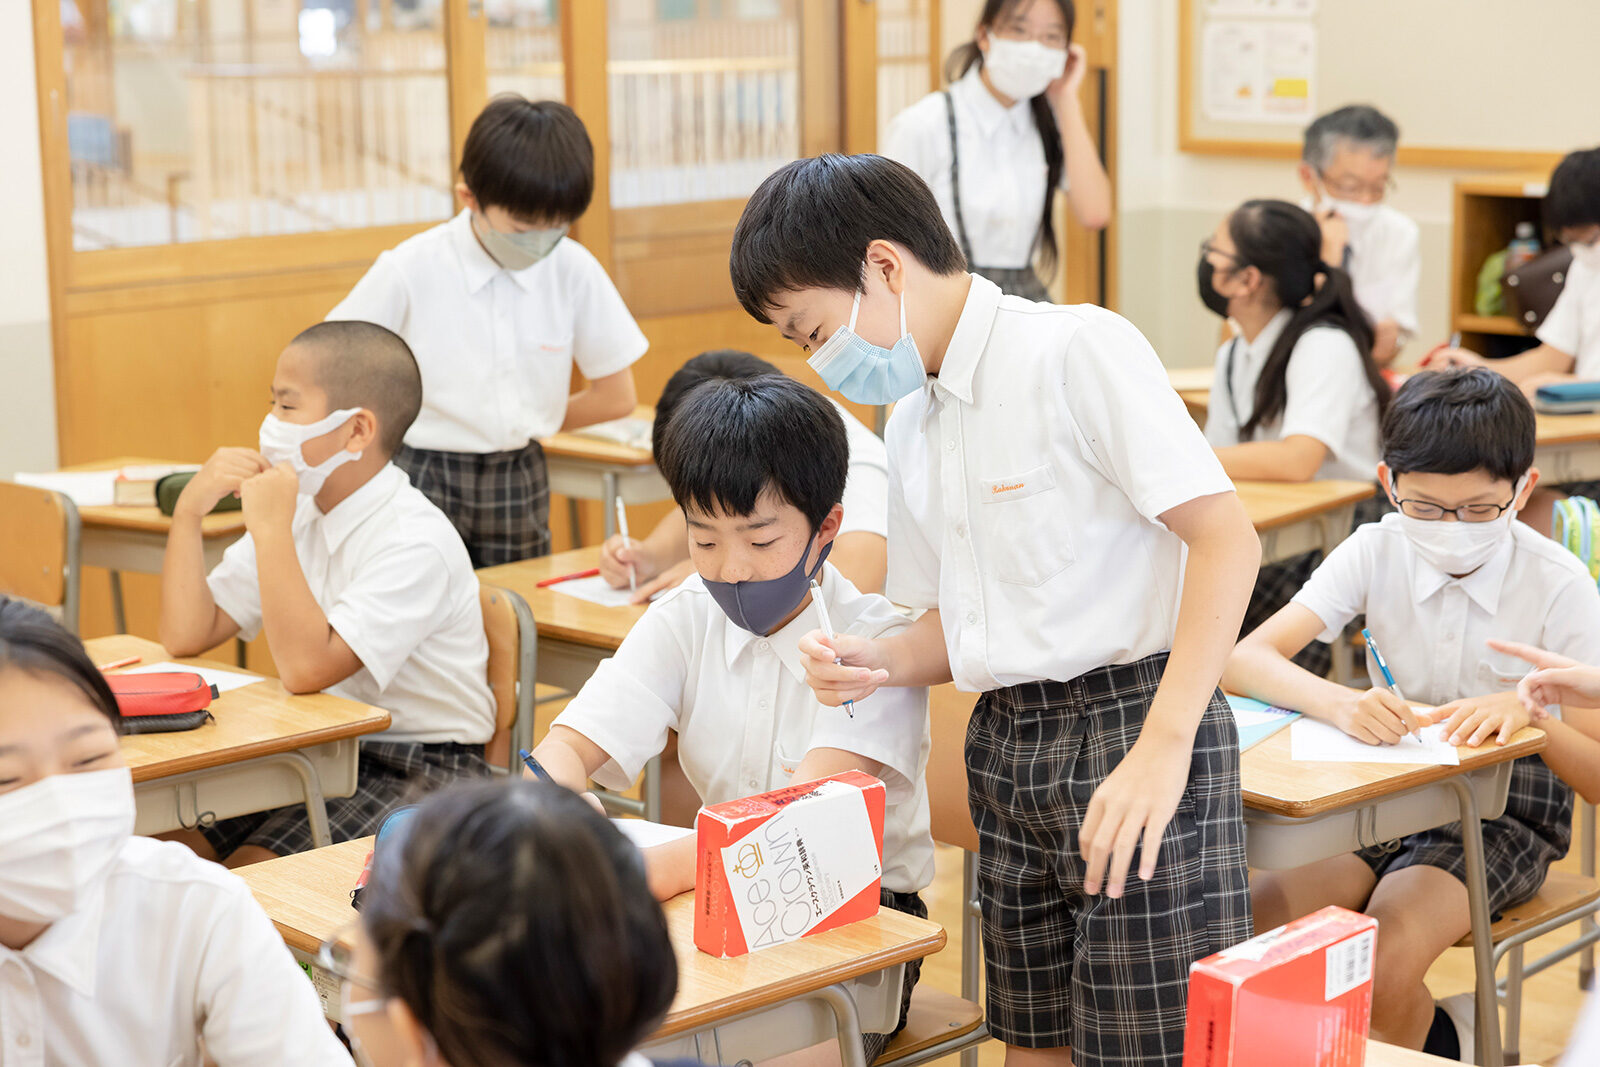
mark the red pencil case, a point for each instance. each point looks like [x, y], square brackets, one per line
[162, 702]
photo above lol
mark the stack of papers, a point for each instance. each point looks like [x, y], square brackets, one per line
[1322, 742]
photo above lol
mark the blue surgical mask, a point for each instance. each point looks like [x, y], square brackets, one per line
[866, 373]
[761, 606]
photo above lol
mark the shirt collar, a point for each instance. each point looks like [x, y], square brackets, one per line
[70, 948]
[360, 505]
[1261, 347]
[786, 641]
[988, 112]
[478, 266]
[967, 342]
[1482, 585]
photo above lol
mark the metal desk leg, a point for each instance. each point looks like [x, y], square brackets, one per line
[843, 1005]
[119, 617]
[1488, 1036]
[652, 789]
[971, 941]
[609, 494]
[575, 520]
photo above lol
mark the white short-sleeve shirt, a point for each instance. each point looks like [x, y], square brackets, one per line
[1573, 325]
[866, 487]
[1003, 170]
[496, 347]
[1434, 629]
[1328, 397]
[172, 951]
[393, 577]
[1385, 266]
[1026, 484]
[745, 717]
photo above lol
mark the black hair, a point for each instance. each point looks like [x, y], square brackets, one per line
[364, 365]
[720, 363]
[809, 224]
[733, 439]
[1284, 243]
[962, 60]
[531, 157]
[1359, 124]
[516, 924]
[1573, 197]
[33, 642]
[1458, 420]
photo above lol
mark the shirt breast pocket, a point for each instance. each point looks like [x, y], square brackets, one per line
[546, 346]
[1500, 675]
[1022, 516]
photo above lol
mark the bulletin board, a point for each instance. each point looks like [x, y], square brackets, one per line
[1471, 83]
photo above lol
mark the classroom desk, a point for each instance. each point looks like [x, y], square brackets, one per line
[1298, 813]
[591, 468]
[265, 748]
[308, 898]
[1381, 1055]
[1567, 448]
[134, 539]
[1193, 385]
[1296, 517]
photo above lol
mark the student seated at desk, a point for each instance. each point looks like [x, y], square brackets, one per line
[117, 949]
[758, 466]
[1296, 394]
[505, 924]
[1436, 582]
[1345, 164]
[361, 585]
[860, 550]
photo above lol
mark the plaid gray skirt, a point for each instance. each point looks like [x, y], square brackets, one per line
[389, 773]
[1017, 281]
[499, 502]
[1108, 977]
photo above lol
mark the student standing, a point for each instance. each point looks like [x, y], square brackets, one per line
[1044, 483]
[499, 307]
[1009, 131]
[1346, 164]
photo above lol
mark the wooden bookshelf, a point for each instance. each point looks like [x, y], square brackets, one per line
[1487, 211]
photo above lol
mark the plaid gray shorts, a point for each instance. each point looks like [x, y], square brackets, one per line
[1108, 977]
[1518, 847]
[499, 502]
[388, 774]
[911, 904]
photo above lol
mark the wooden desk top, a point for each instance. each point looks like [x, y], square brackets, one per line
[256, 720]
[560, 616]
[577, 445]
[1273, 504]
[1566, 429]
[1192, 379]
[1276, 784]
[308, 898]
[1381, 1055]
[150, 520]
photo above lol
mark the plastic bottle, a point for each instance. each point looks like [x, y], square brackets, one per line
[1525, 247]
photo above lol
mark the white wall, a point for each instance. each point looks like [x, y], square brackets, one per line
[27, 391]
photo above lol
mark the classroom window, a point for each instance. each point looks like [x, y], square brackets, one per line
[194, 120]
[523, 44]
[905, 30]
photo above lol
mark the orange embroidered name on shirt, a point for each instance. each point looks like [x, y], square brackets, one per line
[1007, 488]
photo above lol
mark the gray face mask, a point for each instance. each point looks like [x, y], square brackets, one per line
[516, 251]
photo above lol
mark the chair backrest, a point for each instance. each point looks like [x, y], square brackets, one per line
[508, 624]
[949, 817]
[39, 548]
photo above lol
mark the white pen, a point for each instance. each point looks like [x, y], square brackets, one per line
[827, 628]
[622, 526]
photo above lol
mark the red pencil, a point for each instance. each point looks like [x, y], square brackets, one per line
[119, 664]
[590, 573]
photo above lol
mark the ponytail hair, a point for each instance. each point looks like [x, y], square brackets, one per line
[967, 55]
[1284, 243]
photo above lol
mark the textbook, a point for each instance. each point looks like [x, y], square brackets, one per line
[779, 866]
[1299, 995]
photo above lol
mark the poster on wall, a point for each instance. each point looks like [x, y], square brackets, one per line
[1258, 71]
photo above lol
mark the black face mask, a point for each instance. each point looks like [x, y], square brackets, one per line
[1215, 301]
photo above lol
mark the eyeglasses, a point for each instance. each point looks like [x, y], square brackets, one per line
[335, 956]
[1354, 189]
[1017, 31]
[1209, 249]
[1428, 512]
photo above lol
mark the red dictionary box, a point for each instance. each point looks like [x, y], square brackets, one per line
[1297, 996]
[780, 866]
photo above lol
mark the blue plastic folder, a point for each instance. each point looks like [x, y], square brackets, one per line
[1253, 728]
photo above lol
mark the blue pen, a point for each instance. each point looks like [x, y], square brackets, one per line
[533, 765]
[1383, 664]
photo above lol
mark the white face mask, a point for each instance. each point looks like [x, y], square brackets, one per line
[516, 251]
[281, 443]
[1587, 254]
[1458, 548]
[1022, 69]
[59, 838]
[1354, 213]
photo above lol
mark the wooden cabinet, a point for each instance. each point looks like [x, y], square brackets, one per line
[1487, 211]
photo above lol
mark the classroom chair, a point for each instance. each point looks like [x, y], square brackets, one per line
[1564, 898]
[39, 558]
[939, 1023]
[513, 661]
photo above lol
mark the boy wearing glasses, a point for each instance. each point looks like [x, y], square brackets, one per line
[1345, 164]
[1439, 579]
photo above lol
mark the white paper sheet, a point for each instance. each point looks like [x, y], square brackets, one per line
[630, 432]
[596, 590]
[645, 834]
[87, 489]
[223, 680]
[1310, 740]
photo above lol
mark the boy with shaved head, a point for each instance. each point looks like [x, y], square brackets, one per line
[361, 585]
